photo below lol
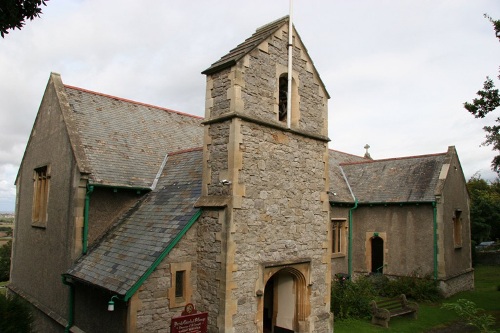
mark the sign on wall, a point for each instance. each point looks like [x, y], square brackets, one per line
[190, 321]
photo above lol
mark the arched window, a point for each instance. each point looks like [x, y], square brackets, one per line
[283, 97]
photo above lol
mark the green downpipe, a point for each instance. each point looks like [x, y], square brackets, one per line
[349, 244]
[70, 305]
[434, 209]
[90, 189]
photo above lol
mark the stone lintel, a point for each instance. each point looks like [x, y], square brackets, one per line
[232, 115]
[213, 201]
[287, 262]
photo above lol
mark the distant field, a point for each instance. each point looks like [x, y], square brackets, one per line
[6, 222]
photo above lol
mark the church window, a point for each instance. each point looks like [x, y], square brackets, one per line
[283, 97]
[457, 228]
[180, 290]
[338, 237]
[41, 182]
[180, 282]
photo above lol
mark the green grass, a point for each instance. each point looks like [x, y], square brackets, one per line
[485, 295]
[3, 290]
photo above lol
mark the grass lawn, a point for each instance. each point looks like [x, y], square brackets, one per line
[485, 295]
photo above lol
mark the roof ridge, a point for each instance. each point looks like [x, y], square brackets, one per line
[131, 101]
[393, 159]
[268, 25]
[343, 152]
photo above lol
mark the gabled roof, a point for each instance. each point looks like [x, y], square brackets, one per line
[397, 180]
[118, 135]
[141, 239]
[260, 35]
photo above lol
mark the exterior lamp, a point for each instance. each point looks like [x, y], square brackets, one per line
[111, 303]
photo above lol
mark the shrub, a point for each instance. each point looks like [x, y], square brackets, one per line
[351, 299]
[15, 315]
[5, 251]
[474, 316]
[413, 286]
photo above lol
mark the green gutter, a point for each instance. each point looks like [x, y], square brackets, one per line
[349, 244]
[434, 208]
[70, 305]
[162, 256]
[90, 189]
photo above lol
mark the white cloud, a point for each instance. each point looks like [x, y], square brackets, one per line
[398, 71]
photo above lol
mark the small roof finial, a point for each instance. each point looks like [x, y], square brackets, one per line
[367, 154]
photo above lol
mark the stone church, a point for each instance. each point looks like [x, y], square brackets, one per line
[141, 210]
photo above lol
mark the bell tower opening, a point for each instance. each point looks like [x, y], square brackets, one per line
[283, 97]
[283, 100]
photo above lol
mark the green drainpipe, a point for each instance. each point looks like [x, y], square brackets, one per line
[349, 243]
[90, 189]
[434, 208]
[70, 305]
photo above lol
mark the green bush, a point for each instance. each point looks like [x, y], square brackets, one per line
[473, 315]
[352, 299]
[15, 315]
[5, 251]
[418, 288]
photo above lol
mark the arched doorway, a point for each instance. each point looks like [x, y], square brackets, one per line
[377, 246]
[283, 302]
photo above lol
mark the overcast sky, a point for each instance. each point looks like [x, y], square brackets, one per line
[398, 71]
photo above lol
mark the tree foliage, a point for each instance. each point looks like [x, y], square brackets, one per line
[484, 209]
[13, 13]
[15, 315]
[5, 251]
[489, 100]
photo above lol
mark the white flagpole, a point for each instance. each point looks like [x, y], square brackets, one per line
[290, 57]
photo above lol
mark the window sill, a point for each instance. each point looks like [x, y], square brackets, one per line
[178, 303]
[39, 225]
[338, 255]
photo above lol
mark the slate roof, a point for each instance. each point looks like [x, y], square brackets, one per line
[119, 135]
[260, 35]
[339, 189]
[148, 231]
[398, 180]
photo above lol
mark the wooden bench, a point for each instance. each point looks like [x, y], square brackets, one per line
[384, 310]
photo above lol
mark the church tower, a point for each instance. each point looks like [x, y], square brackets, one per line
[264, 236]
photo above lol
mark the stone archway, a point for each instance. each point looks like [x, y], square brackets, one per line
[285, 307]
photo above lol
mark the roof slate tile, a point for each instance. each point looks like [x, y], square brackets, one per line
[121, 258]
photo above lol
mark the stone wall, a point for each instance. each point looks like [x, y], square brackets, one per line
[154, 312]
[488, 258]
[408, 240]
[209, 267]
[282, 217]
[456, 284]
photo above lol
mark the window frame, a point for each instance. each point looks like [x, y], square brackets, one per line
[176, 269]
[41, 191]
[339, 237]
[457, 229]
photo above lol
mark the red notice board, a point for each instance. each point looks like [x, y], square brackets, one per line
[191, 321]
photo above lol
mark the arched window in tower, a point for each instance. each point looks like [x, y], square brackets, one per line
[283, 97]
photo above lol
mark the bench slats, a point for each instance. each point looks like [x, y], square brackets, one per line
[384, 310]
